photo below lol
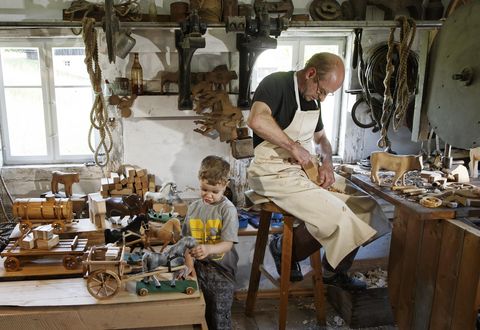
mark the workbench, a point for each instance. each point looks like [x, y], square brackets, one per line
[66, 304]
[434, 263]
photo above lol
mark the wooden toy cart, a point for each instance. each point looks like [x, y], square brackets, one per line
[106, 277]
[72, 251]
[50, 210]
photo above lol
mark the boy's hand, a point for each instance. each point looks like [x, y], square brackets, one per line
[200, 251]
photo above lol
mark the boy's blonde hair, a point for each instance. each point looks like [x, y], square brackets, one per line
[214, 170]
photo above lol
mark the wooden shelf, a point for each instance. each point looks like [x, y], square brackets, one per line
[172, 25]
[164, 106]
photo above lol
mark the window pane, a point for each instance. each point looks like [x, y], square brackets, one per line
[26, 122]
[69, 68]
[271, 60]
[73, 119]
[20, 66]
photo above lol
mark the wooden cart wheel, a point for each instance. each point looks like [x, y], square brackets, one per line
[103, 284]
[70, 262]
[25, 226]
[11, 264]
[143, 292]
[58, 227]
[189, 290]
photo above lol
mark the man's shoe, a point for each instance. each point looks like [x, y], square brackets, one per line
[342, 280]
[275, 247]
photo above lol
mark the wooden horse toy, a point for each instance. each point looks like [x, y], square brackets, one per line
[168, 233]
[400, 164]
[67, 179]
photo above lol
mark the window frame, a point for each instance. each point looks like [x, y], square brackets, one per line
[45, 52]
[298, 40]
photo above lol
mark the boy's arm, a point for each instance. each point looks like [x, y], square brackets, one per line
[204, 250]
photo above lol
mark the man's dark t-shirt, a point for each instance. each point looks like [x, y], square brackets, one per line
[277, 91]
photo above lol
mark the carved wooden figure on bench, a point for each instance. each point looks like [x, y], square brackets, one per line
[400, 164]
[67, 179]
[474, 158]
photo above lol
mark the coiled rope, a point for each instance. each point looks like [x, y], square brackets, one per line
[401, 98]
[98, 114]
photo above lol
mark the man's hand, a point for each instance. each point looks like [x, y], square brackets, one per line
[200, 251]
[300, 154]
[325, 175]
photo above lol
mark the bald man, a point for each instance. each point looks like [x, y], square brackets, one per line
[285, 118]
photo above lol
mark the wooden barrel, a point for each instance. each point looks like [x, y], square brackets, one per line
[43, 208]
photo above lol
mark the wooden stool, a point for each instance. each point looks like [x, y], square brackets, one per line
[267, 208]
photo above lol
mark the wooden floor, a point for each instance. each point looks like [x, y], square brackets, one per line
[301, 316]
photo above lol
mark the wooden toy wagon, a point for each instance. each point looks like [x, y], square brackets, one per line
[50, 210]
[107, 269]
[71, 251]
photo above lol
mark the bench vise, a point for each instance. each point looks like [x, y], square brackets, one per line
[251, 42]
[187, 40]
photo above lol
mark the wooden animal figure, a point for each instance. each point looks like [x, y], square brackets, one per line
[168, 233]
[400, 164]
[220, 79]
[163, 195]
[114, 235]
[126, 205]
[67, 179]
[167, 78]
[474, 158]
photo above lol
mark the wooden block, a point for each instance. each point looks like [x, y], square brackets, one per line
[104, 184]
[129, 171]
[118, 186]
[123, 179]
[141, 172]
[115, 177]
[104, 193]
[151, 178]
[130, 186]
[137, 180]
[28, 242]
[48, 244]
[124, 191]
[112, 253]
[44, 232]
[138, 186]
[145, 181]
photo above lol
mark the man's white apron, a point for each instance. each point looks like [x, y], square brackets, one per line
[328, 216]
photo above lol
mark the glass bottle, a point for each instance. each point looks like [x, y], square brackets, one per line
[136, 76]
[152, 11]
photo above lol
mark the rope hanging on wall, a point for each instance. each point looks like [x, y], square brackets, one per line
[98, 114]
[396, 104]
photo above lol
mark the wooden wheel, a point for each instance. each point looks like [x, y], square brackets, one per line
[143, 292]
[70, 262]
[58, 227]
[189, 290]
[25, 226]
[11, 264]
[103, 284]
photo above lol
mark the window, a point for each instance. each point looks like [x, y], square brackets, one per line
[291, 54]
[45, 101]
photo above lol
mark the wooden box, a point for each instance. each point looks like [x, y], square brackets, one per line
[28, 242]
[48, 244]
[44, 232]
[362, 309]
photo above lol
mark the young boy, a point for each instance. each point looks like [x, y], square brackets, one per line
[213, 222]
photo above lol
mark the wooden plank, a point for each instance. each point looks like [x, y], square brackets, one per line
[465, 312]
[426, 273]
[396, 256]
[66, 303]
[447, 276]
[62, 248]
[404, 310]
